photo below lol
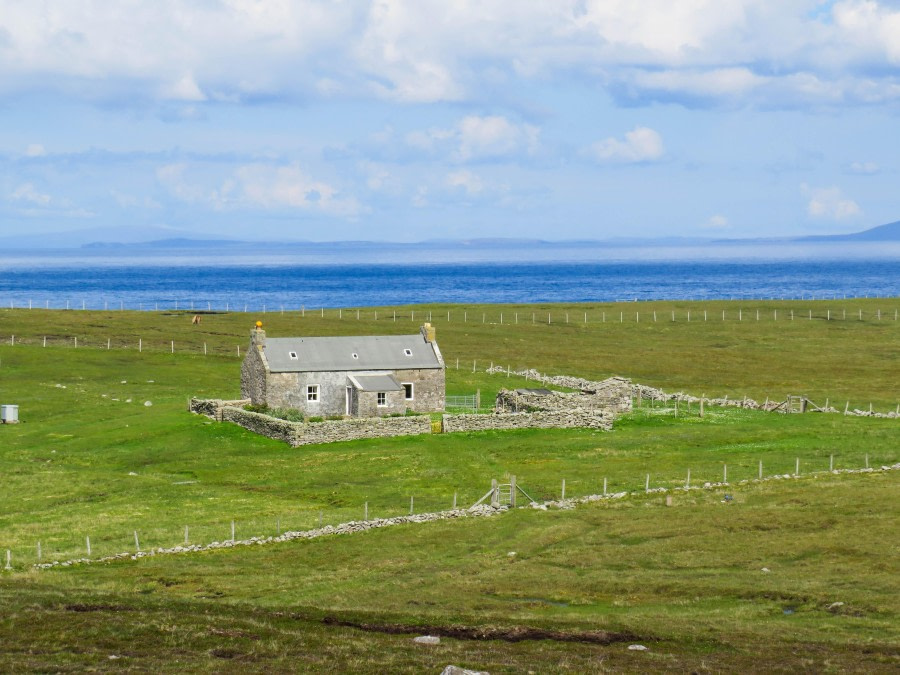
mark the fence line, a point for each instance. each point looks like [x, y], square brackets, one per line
[477, 510]
[586, 319]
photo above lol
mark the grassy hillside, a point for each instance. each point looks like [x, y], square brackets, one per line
[842, 358]
[91, 459]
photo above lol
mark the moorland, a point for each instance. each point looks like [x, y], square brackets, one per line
[106, 448]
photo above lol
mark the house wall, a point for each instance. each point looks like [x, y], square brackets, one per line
[368, 404]
[428, 388]
[288, 390]
[253, 376]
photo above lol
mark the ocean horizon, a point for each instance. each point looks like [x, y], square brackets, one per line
[272, 280]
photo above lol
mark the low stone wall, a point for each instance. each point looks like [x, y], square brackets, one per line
[308, 433]
[614, 397]
[335, 431]
[543, 419]
[265, 425]
[652, 393]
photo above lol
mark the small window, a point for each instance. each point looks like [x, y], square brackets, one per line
[355, 355]
[312, 393]
[408, 391]
[408, 352]
[293, 355]
[382, 399]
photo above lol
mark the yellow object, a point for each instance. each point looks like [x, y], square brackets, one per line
[259, 324]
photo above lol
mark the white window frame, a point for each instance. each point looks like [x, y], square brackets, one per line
[293, 356]
[312, 393]
[408, 352]
[381, 399]
[412, 391]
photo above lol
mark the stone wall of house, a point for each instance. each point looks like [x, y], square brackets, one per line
[288, 390]
[367, 404]
[542, 419]
[428, 388]
[253, 376]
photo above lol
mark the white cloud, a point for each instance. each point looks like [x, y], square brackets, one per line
[26, 192]
[773, 52]
[37, 204]
[716, 222]
[184, 89]
[864, 168]
[829, 203]
[494, 136]
[641, 144]
[468, 181]
[478, 137]
[258, 185]
[35, 150]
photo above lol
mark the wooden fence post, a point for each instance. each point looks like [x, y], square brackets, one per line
[512, 491]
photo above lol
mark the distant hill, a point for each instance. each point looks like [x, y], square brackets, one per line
[159, 239]
[889, 232]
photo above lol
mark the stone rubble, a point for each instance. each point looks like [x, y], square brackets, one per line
[456, 670]
[427, 640]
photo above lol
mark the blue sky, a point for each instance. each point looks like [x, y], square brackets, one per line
[407, 120]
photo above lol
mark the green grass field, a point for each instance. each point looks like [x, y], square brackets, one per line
[90, 459]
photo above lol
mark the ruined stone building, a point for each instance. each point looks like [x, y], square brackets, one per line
[354, 376]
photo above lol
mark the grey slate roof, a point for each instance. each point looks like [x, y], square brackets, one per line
[373, 352]
[375, 382]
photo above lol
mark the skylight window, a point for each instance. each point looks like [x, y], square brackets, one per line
[408, 352]
[293, 355]
[355, 355]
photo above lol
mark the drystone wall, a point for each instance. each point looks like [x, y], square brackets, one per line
[612, 395]
[540, 419]
[265, 425]
[480, 511]
[652, 393]
[335, 431]
[298, 433]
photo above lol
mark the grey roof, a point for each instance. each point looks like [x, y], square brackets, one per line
[373, 352]
[539, 392]
[375, 382]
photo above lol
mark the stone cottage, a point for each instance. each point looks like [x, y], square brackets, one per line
[354, 376]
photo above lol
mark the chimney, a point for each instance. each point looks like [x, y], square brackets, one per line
[428, 332]
[258, 336]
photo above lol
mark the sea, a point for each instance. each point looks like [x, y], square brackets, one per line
[366, 275]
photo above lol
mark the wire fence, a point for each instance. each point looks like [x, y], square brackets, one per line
[96, 301]
[532, 318]
[98, 542]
